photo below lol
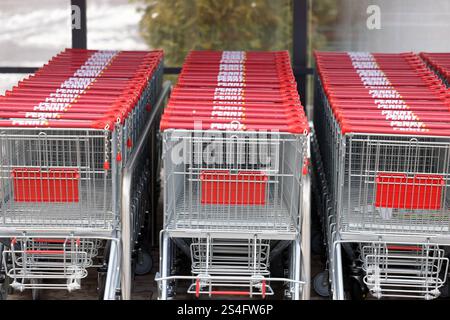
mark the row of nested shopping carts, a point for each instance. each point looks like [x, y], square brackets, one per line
[236, 179]
[66, 132]
[382, 122]
[235, 144]
[439, 63]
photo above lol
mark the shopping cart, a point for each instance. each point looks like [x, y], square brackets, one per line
[235, 176]
[66, 134]
[384, 141]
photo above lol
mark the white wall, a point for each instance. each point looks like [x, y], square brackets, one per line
[406, 25]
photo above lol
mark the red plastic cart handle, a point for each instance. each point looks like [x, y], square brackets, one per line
[44, 123]
[368, 129]
[44, 252]
[45, 240]
[296, 128]
[404, 248]
[230, 293]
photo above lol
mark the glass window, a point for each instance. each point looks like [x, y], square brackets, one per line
[114, 25]
[378, 26]
[381, 25]
[181, 26]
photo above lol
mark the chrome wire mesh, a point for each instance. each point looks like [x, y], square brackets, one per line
[56, 178]
[227, 265]
[225, 181]
[396, 184]
[404, 271]
[63, 262]
[231, 256]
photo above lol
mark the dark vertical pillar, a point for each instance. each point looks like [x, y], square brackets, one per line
[300, 45]
[79, 28]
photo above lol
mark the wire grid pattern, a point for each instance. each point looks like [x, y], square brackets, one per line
[33, 259]
[230, 257]
[404, 271]
[255, 184]
[75, 157]
[367, 157]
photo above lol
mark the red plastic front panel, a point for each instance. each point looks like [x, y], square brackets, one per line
[421, 192]
[243, 188]
[53, 185]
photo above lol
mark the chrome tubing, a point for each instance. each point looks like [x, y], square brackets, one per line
[126, 218]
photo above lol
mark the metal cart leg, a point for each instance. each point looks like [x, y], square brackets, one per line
[113, 275]
[306, 231]
[338, 281]
[296, 265]
[164, 261]
[3, 277]
[126, 193]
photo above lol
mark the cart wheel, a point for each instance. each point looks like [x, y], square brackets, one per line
[36, 293]
[320, 284]
[144, 263]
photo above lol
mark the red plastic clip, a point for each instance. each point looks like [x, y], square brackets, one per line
[305, 167]
[106, 165]
[197, 288]
[263, 289]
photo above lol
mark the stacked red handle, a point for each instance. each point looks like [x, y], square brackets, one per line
[440, 63]
[378, 93]
[236, 90]
[81, 89]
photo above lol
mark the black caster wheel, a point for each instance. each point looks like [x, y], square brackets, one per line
[144, 263]
[321, 285]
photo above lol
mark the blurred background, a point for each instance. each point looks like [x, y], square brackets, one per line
[33, 31]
